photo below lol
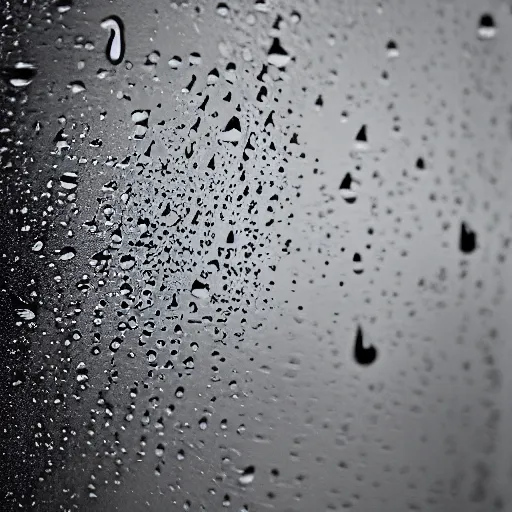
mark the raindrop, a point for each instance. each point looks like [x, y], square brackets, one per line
[277, 55]
[486, 27]
[67, 253]
[37, 246]
[159, 450]
[467, 241]
[357, 260]
[348, 188]
[140, 118]
[115, 45]
[195, 59]
[295, 17]
[115, 344]
[200, 290]
[126, 262]
[361, 139]
[26, 314]
[77, 87]
[420, 164]
[69, 180]
[247, 477]
[64, 5]
[392, 50]
[222, 9]
[364, 356]
[175, 62]
[232, 132]
[153, 58]
[21, 74]
[213, 77]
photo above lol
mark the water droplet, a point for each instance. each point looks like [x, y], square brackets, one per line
[140, 118]
[26, 314]
[115, 45]
[365, 356]
[232, 132]
[247, 476]
[277, 55]
[67, 253]
[361, 140]
[64, 5]
[175, 62]
[295, 17]
[126, 262]
[76, 87]
[195, 59]
[37, 246]
[357, 260]
[200, 290]
[153, 58]
[348, 188]
[159, 450]
[486, 27]
[392, 50]
[69, 180]
[21, 74]
[222, 9]
[467, 241]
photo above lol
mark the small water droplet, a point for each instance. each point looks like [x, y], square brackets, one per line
[232, 132]
[67, 253]
[392, 50]
[175, 62]
[348, 188]
[37, 246]
[76, 87]
[21, 74]
[486, 27]
[200, 290]
[222, 9]
[247, 476]
[126, 262]
[277, 55]
[26, 314]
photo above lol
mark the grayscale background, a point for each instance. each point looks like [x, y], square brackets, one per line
[259, 261]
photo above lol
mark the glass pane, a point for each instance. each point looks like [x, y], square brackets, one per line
[255, 255]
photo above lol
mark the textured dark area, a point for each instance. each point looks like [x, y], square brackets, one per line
[254, 256]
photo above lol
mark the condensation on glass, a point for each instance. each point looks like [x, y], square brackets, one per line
[255, 255]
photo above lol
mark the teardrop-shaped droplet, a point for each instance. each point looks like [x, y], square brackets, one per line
[363, 355]
[115, 46]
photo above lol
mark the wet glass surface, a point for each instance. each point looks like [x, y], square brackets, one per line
[255, 255]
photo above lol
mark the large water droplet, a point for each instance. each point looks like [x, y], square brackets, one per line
[277, 55]
[67, 253]
[21, 74]
[486, 27]
[115, 45]
[363, 355]
[467, 241]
